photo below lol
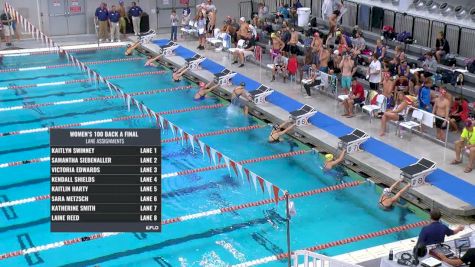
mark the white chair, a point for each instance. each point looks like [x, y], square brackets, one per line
[216, 39]
[190, 28]
[360, 105]
[381, 103]
[414, 122]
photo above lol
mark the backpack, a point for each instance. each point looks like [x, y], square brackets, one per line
[403, 36]
[450, 60]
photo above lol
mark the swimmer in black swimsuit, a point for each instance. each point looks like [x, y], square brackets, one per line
[388, 200]
[201, 94]
[179, 73]
[278, 131]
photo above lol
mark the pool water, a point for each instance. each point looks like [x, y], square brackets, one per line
[219, 240]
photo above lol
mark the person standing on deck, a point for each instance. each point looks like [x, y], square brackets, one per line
[135, 12]
[123, 17]
[102, 17]
[114, 17]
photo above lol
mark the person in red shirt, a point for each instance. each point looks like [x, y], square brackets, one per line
[458, 112]
[292, 65]
[356, 96]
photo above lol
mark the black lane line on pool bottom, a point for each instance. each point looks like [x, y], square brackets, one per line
[40, 77]
[9, 212]
[25, 183]
[26, 243]
[23, 149]
[170, 242]
[162, 262]
[51, 94]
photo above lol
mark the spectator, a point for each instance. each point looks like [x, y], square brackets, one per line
[201, 27]
[292, 66]
[388, 84]
[247, 50]
[280, 67]
[307, 62]
[324, 58]
[102, 17]
[313, 80]
[262, 11]
[185, 16]
[429, 64]
[283, 10]
[441, 109]
[327, 9]
[374, 73]
[380, 50]
[292, 43]
[342, 44]
[356, 96]
[211, 23]
[435, 232]
[424, 96]
[468, 258]
[359, 44]
[316, 41]
[346, 67]
[402, 84]
[458, 112]
[397, 114]
[135, 12]
[243, 29]
[229, 29]
[174, 24]
[7, 27]
[123, 17]
[399, 56]
[295, 5]
[114, 18]
[332, 20]
[285, 37]
[404, 69]
[415, 83]
[442, 47]
[277, 46]
[466, 144]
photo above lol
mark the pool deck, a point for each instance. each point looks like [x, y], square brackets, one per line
[426, 196]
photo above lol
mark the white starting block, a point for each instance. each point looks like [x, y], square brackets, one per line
[259, 95]
[147, 37]
[418, 171]
[167, 50]
[352, 141]
[195, 61]
[224, 77]
[302, 115]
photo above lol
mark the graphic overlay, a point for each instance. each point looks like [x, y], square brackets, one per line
[105, 180]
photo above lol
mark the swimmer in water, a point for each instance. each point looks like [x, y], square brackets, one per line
[278, 131]
[179, 73]
[131, 48]
[151, 61]
[331, 162]
[204, 89]
[237, 93]
[388, 200]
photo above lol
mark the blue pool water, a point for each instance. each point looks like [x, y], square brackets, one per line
[253, 233]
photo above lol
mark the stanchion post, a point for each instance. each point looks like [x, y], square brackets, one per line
[287, 211]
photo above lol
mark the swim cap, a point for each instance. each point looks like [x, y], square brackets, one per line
[442, 91]
[273, 35]
[336, 52]
[386, 191]
[329, 157]
[316, 34]
[202, 84]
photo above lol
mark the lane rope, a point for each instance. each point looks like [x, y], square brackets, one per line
[120, 76]
[74, 50]
[168, 175]
[124, 118]
[175, 220]
[336, 243]
[70, 65]
[89, 99]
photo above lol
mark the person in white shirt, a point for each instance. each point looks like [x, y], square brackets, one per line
[374, 73]
[327, 9]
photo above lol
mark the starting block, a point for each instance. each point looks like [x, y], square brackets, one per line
[224, 77]
[259, 95]
[195, 61]
[352, 141]
[147, 37]
[418, 171]
[167, 50]
[302, 115]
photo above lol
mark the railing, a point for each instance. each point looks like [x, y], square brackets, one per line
[312, 259]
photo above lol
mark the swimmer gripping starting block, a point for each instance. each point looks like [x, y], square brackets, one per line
[352, 141]
[195, 61]
[302, 115]
[259, 95]
[147, 37]
[224, 77]
[167, 50]
[418, 171]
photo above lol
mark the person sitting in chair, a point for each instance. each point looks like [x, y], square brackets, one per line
[278, 131]
[388, 200]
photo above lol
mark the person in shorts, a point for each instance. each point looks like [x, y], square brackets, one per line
[7, 22]
[356, 96]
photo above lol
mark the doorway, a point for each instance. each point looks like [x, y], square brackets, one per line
[67, 17]
[164, 10]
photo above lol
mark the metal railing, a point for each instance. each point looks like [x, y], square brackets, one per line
[312, 259]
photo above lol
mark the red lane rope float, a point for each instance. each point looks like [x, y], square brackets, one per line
[232, 130]
[70, 65]
[89, 99]
[337, 243]
[242, 162]
[120, 76]
[125, 118]
[220, 132]
[171, 220]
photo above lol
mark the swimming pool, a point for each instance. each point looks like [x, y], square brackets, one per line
[218, 240]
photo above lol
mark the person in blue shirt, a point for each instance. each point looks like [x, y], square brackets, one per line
[435, 232]
[135, 12]
[102, 17]
[283, 10]
[114, 17]
[424, 96]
